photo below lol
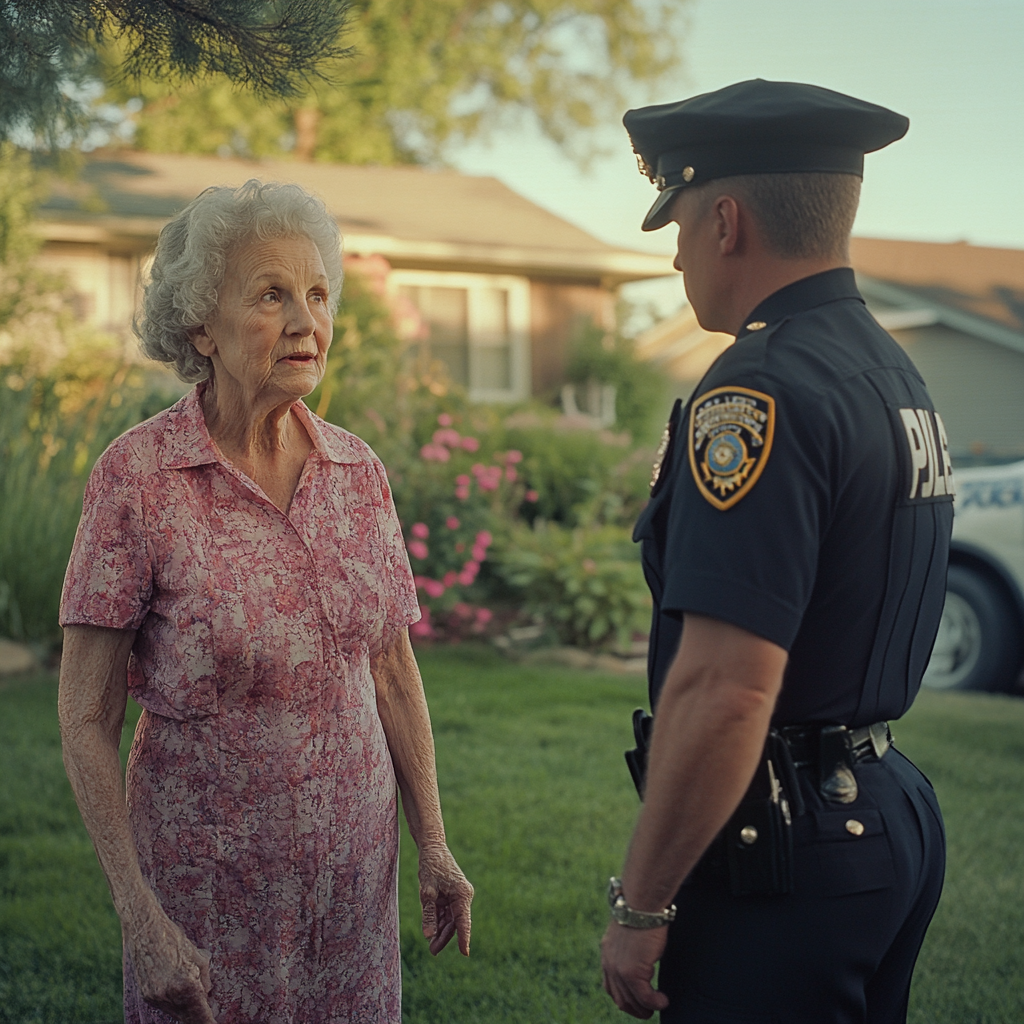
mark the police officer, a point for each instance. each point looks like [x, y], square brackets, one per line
[787, 859]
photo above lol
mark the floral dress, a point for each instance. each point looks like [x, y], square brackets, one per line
[261, 792]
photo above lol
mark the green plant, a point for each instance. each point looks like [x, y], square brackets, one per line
[641, 396]
[585, 583]
[53, 426]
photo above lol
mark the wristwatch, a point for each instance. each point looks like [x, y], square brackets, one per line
[624, 914]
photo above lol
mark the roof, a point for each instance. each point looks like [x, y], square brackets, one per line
[975, 290]
[984, 282]
[403, 213]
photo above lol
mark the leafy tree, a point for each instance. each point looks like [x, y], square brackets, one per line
[425, 73]
[49, 50]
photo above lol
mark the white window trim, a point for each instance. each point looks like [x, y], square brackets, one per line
[518, 290]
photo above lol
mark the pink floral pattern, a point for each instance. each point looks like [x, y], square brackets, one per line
[260, 789]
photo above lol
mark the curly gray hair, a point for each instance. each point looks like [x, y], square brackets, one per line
[192, 253]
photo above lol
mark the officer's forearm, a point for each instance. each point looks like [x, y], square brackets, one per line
[712, 718]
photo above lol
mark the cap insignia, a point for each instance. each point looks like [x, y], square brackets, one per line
[642, 165]
[731, 432]
[756, 325]
[688, 173]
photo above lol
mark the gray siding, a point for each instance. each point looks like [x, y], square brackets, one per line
[977, 386]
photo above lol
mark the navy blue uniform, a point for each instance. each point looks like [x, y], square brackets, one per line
[806, 496]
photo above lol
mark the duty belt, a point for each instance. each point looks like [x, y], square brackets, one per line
[833, 750]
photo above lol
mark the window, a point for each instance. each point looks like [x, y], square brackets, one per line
[477, 325]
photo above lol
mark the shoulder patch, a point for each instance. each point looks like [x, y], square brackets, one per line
[730, 439]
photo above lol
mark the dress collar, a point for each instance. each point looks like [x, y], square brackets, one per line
[800, 296]
[187, 440]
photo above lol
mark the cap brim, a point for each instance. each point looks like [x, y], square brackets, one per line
[661, 212]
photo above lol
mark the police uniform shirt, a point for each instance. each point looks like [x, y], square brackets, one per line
[806, 496]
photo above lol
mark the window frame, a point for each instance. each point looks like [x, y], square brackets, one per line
[518, 291]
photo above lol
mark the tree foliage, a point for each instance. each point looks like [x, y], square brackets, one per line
[426, 73]
[49, 50]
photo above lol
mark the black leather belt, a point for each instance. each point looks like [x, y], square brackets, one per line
[865, 743]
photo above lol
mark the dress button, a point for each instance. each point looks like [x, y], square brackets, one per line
[748, 834]
[854, 827]
[756, 325]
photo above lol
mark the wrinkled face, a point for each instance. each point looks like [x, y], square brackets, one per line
[272, 329]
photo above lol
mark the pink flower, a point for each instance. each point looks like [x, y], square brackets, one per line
[421, 628]
[484, 538]
[531, 496]
[444, 419]
[514, 456]
[479, 552]
[435, 453]
[484, 615]
[420, 530]
[418, 549]
[470, 444]
[477, 468]
[466, 578]
[510, 473]
[463, 610]
[419, 580]
[450, 579]
[447, 436]
[462, 480]
[462, 493]
[452, 523]
[434, 588]
[471, 566]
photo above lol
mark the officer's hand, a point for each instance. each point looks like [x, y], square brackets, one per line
[628, 956]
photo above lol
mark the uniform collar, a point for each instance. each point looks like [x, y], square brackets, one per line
[798, 297]
[187, 442]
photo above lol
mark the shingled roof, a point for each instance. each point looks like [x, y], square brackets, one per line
[985, 282]
[405, 213]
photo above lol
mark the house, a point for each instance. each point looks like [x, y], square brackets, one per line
[500, 283]
[957, 309]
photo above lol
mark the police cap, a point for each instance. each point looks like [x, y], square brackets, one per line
[755, 127]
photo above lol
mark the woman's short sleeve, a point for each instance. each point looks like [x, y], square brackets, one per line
[401, 605]
[109, 579]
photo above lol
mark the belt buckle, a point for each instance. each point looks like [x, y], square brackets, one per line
[881, 738]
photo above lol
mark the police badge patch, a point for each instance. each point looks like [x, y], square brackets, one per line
[731, 431]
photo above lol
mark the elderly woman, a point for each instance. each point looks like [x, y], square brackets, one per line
[239, 570]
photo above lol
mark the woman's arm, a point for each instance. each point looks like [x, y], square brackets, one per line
[445, 893]
[172, 974]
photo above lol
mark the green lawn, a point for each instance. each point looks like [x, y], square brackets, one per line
[538, 807]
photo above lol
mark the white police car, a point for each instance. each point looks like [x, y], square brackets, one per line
[980, 645]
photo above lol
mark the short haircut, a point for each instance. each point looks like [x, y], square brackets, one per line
[805, 215]
[192, 254]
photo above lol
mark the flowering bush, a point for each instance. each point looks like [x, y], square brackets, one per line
[457, 500]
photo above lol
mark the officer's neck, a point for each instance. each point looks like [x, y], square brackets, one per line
[750, 279]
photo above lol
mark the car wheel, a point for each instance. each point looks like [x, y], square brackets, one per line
[978, 643]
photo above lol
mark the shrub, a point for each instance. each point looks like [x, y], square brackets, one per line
[641, 392]
[53, 426]
[586, 583]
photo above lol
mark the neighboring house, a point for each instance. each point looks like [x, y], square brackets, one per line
[500, 284]
[957, 309]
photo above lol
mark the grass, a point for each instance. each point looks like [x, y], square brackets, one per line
[538, 808]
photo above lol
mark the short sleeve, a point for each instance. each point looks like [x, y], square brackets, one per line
[401, 607]
[749, 505]
[109, 579]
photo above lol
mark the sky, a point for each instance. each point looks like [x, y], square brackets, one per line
[954, 67]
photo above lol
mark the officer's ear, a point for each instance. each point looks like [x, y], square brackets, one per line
[729, 221]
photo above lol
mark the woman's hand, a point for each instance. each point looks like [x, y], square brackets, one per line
[172, 974]
[446, 895]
